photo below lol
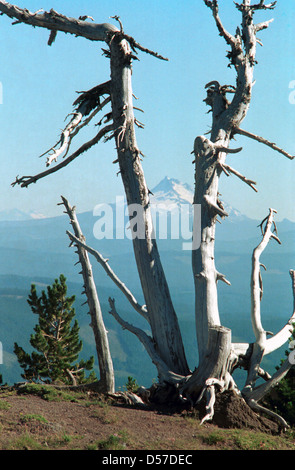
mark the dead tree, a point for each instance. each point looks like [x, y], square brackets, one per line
[106, 383]
[218, 355]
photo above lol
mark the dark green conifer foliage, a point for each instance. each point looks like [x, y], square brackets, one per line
[55, 339]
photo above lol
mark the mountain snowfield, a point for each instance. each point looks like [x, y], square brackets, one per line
[34, 249]
[170, 190]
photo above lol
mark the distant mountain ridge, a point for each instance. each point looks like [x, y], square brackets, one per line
[18, 215]
[169, 191]
[37, 250]
[167, 195]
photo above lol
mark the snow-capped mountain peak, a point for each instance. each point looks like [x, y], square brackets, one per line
[171, 193]
[171, 190]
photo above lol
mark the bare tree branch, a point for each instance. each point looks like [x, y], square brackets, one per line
[227, 169]
[56, 22]
[85, 103]
[165, 375]
[259, 332]
[261, 6]
[25, 181]
[263, 141]
[252, 397]
[65, 139]
[255, 278]
[135, 45]
[258, 6]
[107, 379]
[87, 106]
[214, 207]
[52, 38]
[104, 263]
[213, 5]
[282, 336]
[263, 25]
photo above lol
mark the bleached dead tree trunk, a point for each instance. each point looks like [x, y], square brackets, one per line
[106, 382]
[218, 356]
[162, 317]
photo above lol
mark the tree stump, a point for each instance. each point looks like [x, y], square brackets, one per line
[215, 365]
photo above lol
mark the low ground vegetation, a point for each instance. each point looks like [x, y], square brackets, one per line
[38, 417]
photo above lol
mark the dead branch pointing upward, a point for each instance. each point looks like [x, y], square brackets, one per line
[263, 25]
[164, 373]
[72, 129]
[65, 139]
[257, 6]
[85, 104]
[256, 284]
[255, 309]
[262, 6]
[107, 380]
[230, 39]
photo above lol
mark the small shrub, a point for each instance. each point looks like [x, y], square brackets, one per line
[44, 391]
[131, 385]
[33, 417]
[213, 438]
[25, 442]
[111, 443]
[4, 405]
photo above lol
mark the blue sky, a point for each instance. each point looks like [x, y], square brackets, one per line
[39, 85]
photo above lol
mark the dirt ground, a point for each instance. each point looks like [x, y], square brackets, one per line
[90, 422]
